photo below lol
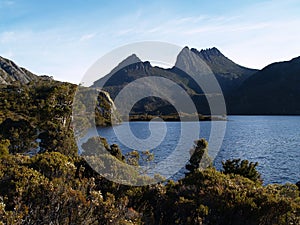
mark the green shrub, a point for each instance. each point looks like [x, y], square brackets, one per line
[243, 168]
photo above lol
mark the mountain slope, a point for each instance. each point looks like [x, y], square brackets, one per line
[229, 74]
[10, 72]
[273, 90]
[189, 64]
[132, 69]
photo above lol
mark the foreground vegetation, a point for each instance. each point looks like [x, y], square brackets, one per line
[52, 188]
[57, 186]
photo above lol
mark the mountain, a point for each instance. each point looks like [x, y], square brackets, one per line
[131, 69]
[273, 90]
[117, 79]
[10, 72]
[190, 65]
[229, 74]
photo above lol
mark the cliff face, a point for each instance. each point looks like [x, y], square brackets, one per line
[10, 72]
[229, 74]
[106, 108]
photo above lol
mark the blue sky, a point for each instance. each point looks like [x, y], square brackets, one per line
[64, 38]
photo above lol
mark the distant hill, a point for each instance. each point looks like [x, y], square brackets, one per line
[273, 90]
[10, 72]
[189, 61]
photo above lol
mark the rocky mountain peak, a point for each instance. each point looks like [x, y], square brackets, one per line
[131, 63]
[190, 62]
[208, 54]
[10, 72]
[130, 60]
[211, 51]
[211, 61]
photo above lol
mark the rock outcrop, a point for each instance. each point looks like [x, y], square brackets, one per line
[110, 111]
[10, 73]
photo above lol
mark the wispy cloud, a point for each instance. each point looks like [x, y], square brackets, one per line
[87, 37]
[252, 36]
[125, 31]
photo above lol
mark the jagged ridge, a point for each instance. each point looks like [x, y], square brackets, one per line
[10, 72]
[189, 62]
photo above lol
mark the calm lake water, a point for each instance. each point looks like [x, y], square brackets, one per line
[272, 141]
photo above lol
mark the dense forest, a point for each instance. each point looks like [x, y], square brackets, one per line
[43, 179]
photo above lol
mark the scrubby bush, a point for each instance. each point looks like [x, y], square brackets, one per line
[243, 168]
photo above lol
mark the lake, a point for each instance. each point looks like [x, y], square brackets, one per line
[272, 141]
